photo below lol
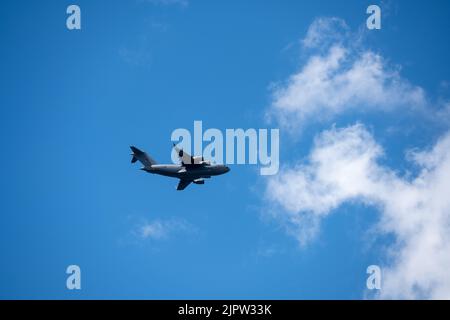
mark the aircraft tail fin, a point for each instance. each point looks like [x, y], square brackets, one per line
[143, 157]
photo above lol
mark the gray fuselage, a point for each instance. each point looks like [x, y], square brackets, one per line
[189, 172]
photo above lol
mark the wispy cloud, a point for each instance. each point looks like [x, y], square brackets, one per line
[136, 57]
[162, 229]
[325, 31]
[139, 54]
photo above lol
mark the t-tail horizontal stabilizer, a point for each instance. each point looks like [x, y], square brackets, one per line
[144, 158]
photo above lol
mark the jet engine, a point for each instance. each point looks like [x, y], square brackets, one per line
[197, 160]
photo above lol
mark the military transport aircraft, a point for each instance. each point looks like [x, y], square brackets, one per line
[191, 169]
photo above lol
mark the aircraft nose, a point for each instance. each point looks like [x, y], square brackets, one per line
[226, 169]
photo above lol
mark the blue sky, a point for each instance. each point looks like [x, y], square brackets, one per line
[73, 101]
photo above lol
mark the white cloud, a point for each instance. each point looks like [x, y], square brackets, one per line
[343, 166]
[162, 229]
[340, 76]
[137, 57]
[324, 31]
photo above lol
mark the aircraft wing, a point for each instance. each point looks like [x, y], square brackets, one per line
[185, 157]
[183, 184]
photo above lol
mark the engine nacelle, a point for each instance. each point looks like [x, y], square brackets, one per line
[197, 160]
[199, 181]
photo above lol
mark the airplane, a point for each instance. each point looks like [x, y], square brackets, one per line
[192, 169]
